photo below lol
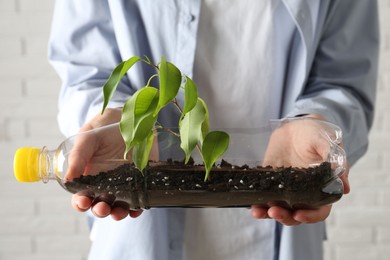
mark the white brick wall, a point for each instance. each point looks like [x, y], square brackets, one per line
[36, 220]
[359, 225]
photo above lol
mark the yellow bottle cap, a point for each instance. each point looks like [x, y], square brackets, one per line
[26, 166]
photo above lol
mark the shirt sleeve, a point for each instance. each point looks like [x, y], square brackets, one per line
[342, 80]
[83, 52]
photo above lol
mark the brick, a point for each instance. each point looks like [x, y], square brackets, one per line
[383, 235]
[369, 179]
[381, 84]
[41, 225]
[385, 42]
[7, 6]
[386, 124]
[10, 47]
[369, 217]
[383, 17]
[82, 225]
[372, 160]
[15, 128]
[386, 160]
[350, 235]
[13, 189]
[24, 67]
[36, 45]
[43, 87]
[384, 61]
[377, 252]
[55, 244]
[7, 154]
[7, 171]
[43, 256]
[378, 122]
[383, 79]
[383, 252]
[10, 89]
[379, 142]
[328, 251]
[17, 207]
[45, 128]
[361, 252]
[20, 244]
[6, 167]
[383, 197]
[44, 7]
[361, 196]
[51, 206]
[2, 130]
[384, 3]
[29, 108]
[26, 24]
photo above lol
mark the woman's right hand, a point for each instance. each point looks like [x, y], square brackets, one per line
[110, 146]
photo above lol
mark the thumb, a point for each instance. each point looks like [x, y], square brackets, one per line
[80, 154]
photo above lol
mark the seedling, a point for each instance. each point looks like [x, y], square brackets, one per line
[140, 112]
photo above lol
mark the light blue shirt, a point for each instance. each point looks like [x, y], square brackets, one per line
[331, 70]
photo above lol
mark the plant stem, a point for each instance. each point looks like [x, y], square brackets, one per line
[174, 101]
[147, 61]
[150, 79]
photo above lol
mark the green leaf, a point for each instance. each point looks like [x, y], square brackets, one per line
[141, 152]
[170, 80]
[206, 123]
[138, 117]
[190, 95]
[114, 79]
[214, 146]
[191, 129]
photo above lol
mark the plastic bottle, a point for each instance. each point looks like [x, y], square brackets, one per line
[164, 183]
[42, 164]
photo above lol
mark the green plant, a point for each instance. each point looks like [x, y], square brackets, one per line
[140, 112]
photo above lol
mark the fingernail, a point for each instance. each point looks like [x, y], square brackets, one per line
[80, 205]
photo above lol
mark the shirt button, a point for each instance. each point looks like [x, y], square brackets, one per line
[187, 18]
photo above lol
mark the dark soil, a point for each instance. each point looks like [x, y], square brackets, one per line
[173, 184]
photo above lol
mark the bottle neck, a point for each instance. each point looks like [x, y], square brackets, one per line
[46, 164]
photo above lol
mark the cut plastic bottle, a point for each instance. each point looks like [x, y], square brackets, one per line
[249, 173]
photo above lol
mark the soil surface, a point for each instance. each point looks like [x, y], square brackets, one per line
[173, 184]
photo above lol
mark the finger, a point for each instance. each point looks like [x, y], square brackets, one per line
[283, 216]
[135, 213]
[345, 180]
[312, 216]
[101, 209]
[81, 203]
[259, 212]
[119, 213]
[347, 187]
[119, 210]
[79, 156]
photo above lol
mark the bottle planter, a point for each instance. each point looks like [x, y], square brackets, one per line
[171, 183]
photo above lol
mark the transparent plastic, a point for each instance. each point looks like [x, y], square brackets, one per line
[271, 165]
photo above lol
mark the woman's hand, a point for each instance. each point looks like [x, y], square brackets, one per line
[299, 143]
[98, 147]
